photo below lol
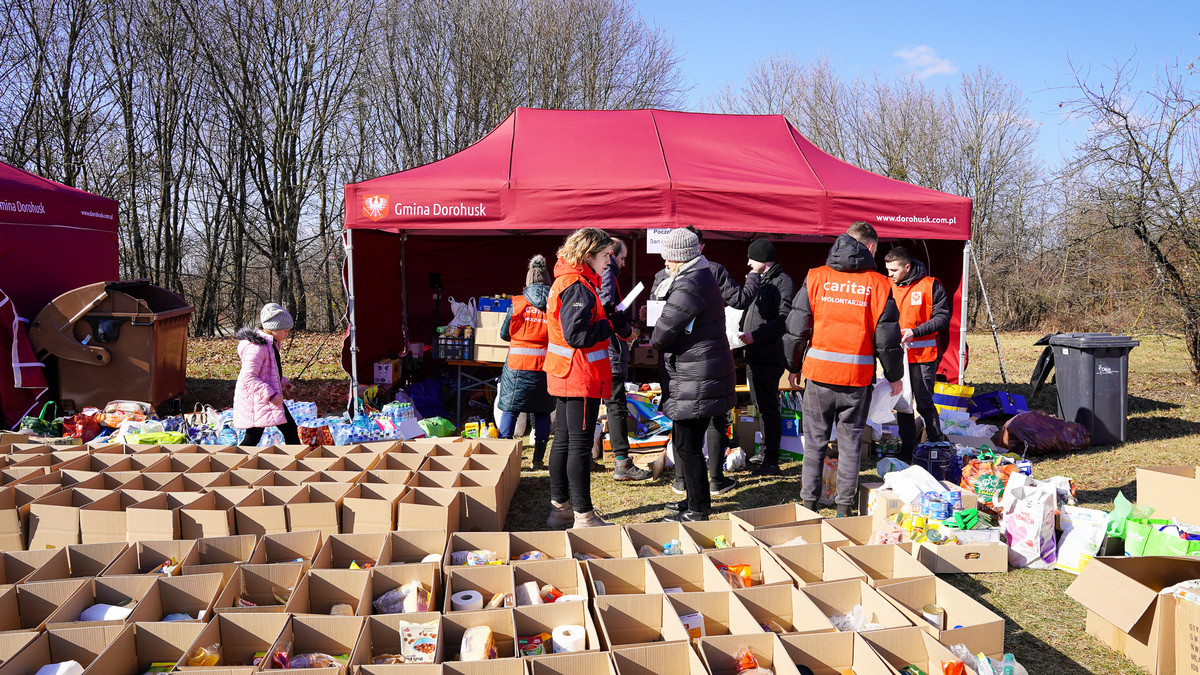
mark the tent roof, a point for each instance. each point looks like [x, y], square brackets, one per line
[637, 169]
[29, 199]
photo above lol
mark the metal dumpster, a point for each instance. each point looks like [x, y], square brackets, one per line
[115, 340]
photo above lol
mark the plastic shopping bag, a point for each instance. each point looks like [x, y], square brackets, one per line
[1027, 521]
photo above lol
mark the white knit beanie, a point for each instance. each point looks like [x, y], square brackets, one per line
[680, 245]
[274, 317]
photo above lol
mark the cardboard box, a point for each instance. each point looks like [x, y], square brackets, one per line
[873, 500]
[320, 589]
[764, 570]
[747, 427]
[688, 573]
[704, 533]
[621, 576]
[643, 356]
[381, 636]
[673, 658]
[1170, 491]
[489, 336]
[788, 608]
[103, 590]
[774, 516]
[600, 542]
[552, 545]
[91, 560]
[581, 663]
[30, 606]
[456, 623]
[341, 551]
[628, 620]
[387, 371]
[900, 647]
[211, 515]
[301, 547]
[221, 554]
[792, 535]
[834, 653]
[262, 512]
[490, 354]
[429, 508]
[371, 507]
[335, 635]
[12, 643]
[24, 566]
[460, 544]
[859, 529]
[157, 518]
[967, 621]
[385, 578]
[193, 594]
[484, 503]
[241, 636]
[840, 597]
[134, 650]
[722, 613]
[82, 645]
[885, 563]
[145, 556]
[410, 462]
[963, 558]
[657, 535]
[12, 530]
[54, 519]
[815, 563]
[1187, 636]
[487, 580]
[566, 575]
[503, 666]
[1125, 610]
[262, 585]
[720, 653]
[535, 619]
[317, 507]
[414, 546]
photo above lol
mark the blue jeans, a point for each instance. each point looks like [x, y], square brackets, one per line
[541, 425]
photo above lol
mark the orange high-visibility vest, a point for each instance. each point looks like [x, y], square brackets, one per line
[915, 303]
[574, 372]
[529, 335]
[846, 307]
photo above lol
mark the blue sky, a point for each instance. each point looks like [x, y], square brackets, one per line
[1031, 44]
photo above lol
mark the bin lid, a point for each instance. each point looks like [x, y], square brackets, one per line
[1093, 341]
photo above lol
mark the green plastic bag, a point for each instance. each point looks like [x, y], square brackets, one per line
[1162, 543]
[437, 427]
[43, 424]
[157, 438]
[1123, 510]
[1137, 534]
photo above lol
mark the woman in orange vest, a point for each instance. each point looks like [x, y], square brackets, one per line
[523, 382]
[577, 372]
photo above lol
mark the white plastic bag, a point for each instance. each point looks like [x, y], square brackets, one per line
[1083, 532]
[735, 460]
[883, 403]
[462, 313]
[911, 483]
[1027, 521]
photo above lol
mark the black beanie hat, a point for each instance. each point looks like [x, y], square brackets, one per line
[761, 250]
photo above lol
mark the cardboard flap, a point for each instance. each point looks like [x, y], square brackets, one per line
[1122, 590]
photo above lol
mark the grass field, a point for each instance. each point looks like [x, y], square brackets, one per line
[1044, 627]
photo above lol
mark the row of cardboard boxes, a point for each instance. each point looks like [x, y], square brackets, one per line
[76, 496]
[625, 602]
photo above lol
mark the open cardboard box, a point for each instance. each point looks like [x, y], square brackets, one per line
[704, 534]
[600, 542]
[342, 551]
[535, 619]
[387, 477]
[54, 518]
[967, 621]
[12, 643]
[119, 591]
[91, 560]
[454, 624]
[135, 650]
[1125, 610]
[192, 594]
[672, 658]
[443, 463]
[333, 635]
[774, 516]
[24, 566]
[263, 511]
[963, 558]
[552, 544]
[411, 462]
[858, 530]
[687, 574]
[504, 666]
[105, 520]
[657, 535]
[210, 515]
[484, 504]
[840, 597]
[82, 645]
[316, 507]
[1170, 491]
[621, 576]
[487, 580]
[581, 663]
[720, 613]
[157, 518]
[146, 556]
[815, 564]
[788, 608]
[720, 653]
[834, 654]
[414, 546]
[298, 547]
[371, 507]
[259, 584]
[241, 635]
[249, 476]
[381, 636]
[899, 647]
[628, 620]
[320, 590]
[460, 543]
[29, 606]
[436, 508]
[221, 554]
[885, 563]
[385, 578]
[565, 575]
[12, 529]
[764, 570]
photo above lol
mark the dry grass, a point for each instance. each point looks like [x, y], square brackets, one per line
[1044, 626]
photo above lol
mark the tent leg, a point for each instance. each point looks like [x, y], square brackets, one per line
[962, 321]
[349, 245]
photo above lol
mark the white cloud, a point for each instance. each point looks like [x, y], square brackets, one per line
[924, 62]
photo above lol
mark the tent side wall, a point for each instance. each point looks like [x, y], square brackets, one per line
[41, 262]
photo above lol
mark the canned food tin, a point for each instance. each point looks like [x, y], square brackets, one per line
[1025, 466]
[935, 615]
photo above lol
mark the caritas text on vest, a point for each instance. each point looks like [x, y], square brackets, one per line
[847, 287]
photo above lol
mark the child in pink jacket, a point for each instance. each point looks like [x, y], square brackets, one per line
[261, 386]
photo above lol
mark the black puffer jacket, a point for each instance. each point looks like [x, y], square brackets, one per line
[766, 317]
[737, 297]
[525, 390]
[610, 295]
[691, 336]
[846, 255]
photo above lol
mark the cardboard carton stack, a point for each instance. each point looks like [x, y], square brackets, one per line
[488, 345]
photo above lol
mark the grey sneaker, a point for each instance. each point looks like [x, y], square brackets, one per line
[721, 485]
[589, 519]
[678, 486]
[625, 470]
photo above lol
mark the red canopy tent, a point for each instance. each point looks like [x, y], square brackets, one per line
[53, 238]
[476, 216]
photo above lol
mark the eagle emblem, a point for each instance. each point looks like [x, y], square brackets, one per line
[375, 206]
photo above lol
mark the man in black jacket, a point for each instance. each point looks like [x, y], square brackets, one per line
[618, 356]
[763, 326]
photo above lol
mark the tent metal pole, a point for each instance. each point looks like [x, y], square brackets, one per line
[349, 244]
[962, 320]
[404, 287]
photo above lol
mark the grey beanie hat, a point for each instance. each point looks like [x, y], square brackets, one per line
[680, 245]
[274, 317]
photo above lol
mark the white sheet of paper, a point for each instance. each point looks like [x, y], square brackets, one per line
[654, 310]
[628, 300]
[733, 327]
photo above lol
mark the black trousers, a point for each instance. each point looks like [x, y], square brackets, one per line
[688, 437]
[571, 452]
[763, 380]
[291, 434]
[618, 418]
[714, 438]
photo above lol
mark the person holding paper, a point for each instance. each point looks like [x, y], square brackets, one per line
[842, 319]
[618, 356]
[698, 364]
[763, 326]
[924, 313]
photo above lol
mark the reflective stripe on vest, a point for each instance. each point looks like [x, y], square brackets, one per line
[528, 334]
[846, 307]
[591, 355]
[856, 359]
[917, 344]
[526, 351]
[575, 372]
[915, 303]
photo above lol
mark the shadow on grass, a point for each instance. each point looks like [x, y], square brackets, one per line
[1106, 495]
[1035, 654]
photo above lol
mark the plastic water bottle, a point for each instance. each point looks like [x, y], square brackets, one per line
[1008, 665]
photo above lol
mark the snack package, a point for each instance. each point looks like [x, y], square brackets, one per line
[159, 667]
[550, 594]
[205, 656]
[388, 660]
[318, 660]
[418, 641]
[721, 542]
[411, 597]
[738, 576]
[955, 667]
[500, 600]
[472, 558]
[648, 551]
[341, 609]
[478, 644]
[532, 555]
[748, 665]
[535, 645]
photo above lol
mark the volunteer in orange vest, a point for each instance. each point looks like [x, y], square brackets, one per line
[577, 372]
[924, 313]
[523, 382]
[845, 318]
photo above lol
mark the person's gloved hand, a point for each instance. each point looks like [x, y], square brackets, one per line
[620, 322]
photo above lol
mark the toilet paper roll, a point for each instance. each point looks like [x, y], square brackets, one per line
[466, 601]
[569, 598]
[569, 639]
